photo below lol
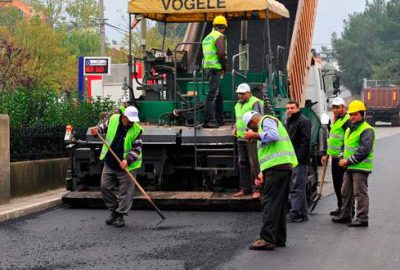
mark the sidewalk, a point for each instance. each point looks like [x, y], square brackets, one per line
[23, 206]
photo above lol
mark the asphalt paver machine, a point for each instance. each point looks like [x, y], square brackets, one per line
[269, 47]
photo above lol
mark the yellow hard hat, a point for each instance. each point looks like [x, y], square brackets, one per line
[356, 106]
[220, 20]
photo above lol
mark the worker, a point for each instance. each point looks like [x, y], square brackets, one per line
[121, 108]
[335, 148]
[299, 129]
[277, 159]
[359, 140]
[248, 162]
[215, 65]
[124, 135]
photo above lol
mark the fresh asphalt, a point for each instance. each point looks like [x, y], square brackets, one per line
[65, 238]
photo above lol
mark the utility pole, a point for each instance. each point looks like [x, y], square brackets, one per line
[143, 32]
[102, 29]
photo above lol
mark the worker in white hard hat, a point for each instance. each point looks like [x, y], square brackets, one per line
[277, 158]
[248, 162]
[336, 147]
[215, 64]
[124, 136]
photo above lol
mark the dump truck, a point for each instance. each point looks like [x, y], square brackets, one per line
[269, 47]
[382, 101]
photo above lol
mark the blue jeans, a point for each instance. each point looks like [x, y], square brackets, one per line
[298, 189]
[213, 109]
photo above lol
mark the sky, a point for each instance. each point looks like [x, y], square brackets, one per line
[330, 17]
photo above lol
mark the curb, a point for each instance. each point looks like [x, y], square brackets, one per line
[30, 209]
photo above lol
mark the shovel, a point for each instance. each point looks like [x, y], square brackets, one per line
[322, 180]
[134, 181]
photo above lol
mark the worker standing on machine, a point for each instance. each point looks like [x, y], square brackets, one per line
[215, 64]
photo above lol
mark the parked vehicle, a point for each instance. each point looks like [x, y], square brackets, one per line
[382, 101]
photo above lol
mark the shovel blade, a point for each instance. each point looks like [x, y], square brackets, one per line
[315, 202]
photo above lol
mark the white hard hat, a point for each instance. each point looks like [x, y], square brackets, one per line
[132, 113]
[248, 116]
[243, 88]
[338, 101]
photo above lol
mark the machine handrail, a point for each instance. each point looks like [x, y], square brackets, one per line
[234, 73]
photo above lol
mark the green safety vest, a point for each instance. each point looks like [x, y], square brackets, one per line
[276, 153]
[211, 59]
[130, 137]
[352, 143]
[240, 110]
[336, 137]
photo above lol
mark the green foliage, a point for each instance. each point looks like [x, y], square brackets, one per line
[9, 16]
[81, 42]
[52, 10]
[44, 107]
[369, 44]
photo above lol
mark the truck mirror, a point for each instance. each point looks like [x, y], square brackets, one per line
[336, 83]
[336, 91]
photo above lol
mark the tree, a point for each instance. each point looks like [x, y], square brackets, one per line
[83, 13]
[52, 10]
[9, 16]
[369, 44]
[13, 69]
[48, 60]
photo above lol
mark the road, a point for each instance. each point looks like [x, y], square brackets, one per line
[66, 238]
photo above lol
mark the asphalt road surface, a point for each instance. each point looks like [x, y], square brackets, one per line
[65, 238]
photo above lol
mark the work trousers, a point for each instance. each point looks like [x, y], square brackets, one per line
[213, 108]
[248, 164]
[274, 205]
[355, 185]
[337, 177]
[298, 191]
[117, 189]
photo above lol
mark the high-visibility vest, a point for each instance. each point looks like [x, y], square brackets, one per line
[210, 50]
[352, 143]
[130, 137]
[276, 153]
[336, 137]
[240, 110]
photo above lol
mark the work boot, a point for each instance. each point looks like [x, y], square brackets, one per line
[296, 218]
[112, 218]
[340, 219]
[241, 193]
[358, 223]
[210, 125]
[336, 212]
[261, 244]
[256, 195]
[120, 221]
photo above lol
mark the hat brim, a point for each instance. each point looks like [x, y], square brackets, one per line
[133, 119]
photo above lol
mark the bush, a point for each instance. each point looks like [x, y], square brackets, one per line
[38, 119]
[42, 107]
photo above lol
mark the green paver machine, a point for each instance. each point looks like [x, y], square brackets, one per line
[266, 46]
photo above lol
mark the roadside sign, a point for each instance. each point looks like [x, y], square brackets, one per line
[97, 65]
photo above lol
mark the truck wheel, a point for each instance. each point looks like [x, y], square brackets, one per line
[395, 121]
[371, 121]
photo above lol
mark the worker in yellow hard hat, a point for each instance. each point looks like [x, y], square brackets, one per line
[359, 140]
[215, 64]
